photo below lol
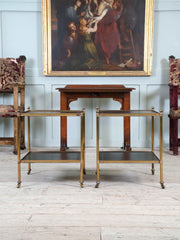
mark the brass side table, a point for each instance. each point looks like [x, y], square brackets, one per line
[130, 156]
[52, 156]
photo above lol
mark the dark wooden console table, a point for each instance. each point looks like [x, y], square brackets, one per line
[72, 92]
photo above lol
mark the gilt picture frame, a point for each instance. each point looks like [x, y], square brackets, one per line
[97, 37]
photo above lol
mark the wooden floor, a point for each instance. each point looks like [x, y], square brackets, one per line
[50, 204]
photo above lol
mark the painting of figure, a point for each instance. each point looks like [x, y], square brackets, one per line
[97, 37]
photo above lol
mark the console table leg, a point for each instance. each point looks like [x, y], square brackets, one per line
[63, 137]
[127, 135]
[127, 144]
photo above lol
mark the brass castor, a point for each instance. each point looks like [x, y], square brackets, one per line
[82, 185]
[29, 171]
[18, 184]
[97, 184]
[162, 185]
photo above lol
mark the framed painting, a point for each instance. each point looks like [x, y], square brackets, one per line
[97, 37]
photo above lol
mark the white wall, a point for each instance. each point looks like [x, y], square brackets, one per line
[21, 34]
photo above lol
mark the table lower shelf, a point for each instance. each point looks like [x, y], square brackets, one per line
[127, 157]
[53, 156]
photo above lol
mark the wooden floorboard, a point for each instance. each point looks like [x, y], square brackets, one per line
[129, 203]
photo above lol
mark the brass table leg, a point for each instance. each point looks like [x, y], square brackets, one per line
[153, 169]
[161, 159]
[152, 140]
[29, 169]
[18, 151]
